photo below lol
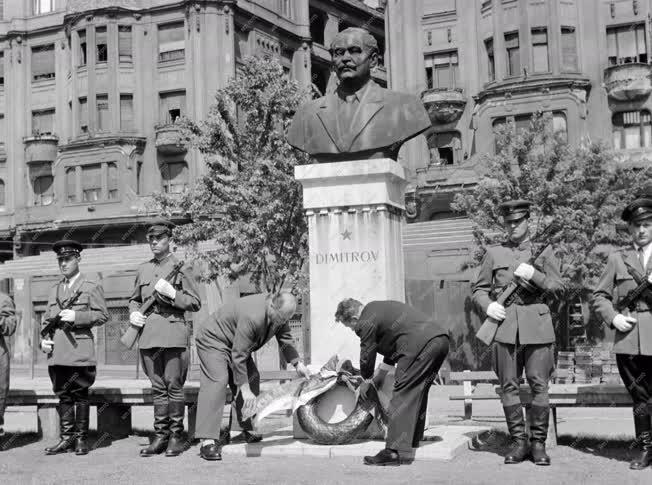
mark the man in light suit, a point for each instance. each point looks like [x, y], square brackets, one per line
[7, 328]
[633, 326]
[360, 120]
[225, 342]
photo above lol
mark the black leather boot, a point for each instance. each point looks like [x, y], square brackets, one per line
[177, 443]
[519, 449]
[539, 421]
[161, 432]
[82, 418]
[67, 430]
[642, 426]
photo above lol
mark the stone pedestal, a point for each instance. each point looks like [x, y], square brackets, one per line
[355, 217]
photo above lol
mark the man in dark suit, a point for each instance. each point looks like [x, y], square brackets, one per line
[164, 340]
[71, 348]
[7, 328]
[526, 336]
[360, 120]
[225, 342]
[633, 327]
[417, 345]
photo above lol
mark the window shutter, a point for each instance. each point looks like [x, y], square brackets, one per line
[126, 112]
[124, 42]
[71, 184]
[43, 61]
[511, 41]
[83, 112]
[569, 48]
[170, 37]
[627, 42]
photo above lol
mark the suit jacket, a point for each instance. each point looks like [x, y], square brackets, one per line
[7, 328]
[243, 327]
[613, 285]
[394, 330]
[532, 322]
[166, 326]
[383, 119]
[76, 346]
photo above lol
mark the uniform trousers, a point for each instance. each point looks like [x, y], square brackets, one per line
[4, 378]
[509, 362]
[636, 373]
[409, 403]
[215, 376]
[71, 383]
[167, 369]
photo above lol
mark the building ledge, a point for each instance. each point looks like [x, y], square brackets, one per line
[532, 84]
[92, 141]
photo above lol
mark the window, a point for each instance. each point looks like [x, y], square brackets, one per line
[568, 50]
[43, 62]
[442, 70]
[522, 122]
[2, 128]
[632, 129]
[83, 115]
[103, 118]
[317, 25]
[626, 44]
[43, 6]
[91, 182]
[43, 122]
[491, 62]
[445, 148]
[43, 190]
[2, 9]
[540, 50]
[175, 177]
[2, 192]
[172, 106]
[124, 43]
[101, 44]
[82, 47]
[2, 67]
[139, 178]
[71, 184]
[126, 112]
[112, 181]
[171, 42]
[513, 56]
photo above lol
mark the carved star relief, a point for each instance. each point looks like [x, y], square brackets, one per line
[346, 234]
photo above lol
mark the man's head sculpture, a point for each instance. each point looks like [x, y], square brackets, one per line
[360, 120]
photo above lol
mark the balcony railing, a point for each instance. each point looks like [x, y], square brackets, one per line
[444, 105]
[628, 82]
[169, 139]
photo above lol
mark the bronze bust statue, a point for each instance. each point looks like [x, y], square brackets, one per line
[361, 120]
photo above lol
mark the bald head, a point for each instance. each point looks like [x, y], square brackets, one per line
[281, 307]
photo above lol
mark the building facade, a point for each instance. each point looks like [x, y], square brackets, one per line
[89, 94]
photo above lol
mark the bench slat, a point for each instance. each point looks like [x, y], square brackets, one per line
[473, 376]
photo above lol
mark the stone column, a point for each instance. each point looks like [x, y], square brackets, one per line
[355, 216]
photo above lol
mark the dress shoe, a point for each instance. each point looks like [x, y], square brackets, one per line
[645, 458]
[65, 445]
[386, 457]
[81, 446]
[518, 452]
[176, 445]
[211, 452]
[158, 445]
[539, 455]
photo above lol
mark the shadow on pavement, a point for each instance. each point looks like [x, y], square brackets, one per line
[620, 449]
[17, 440]
[491, 441]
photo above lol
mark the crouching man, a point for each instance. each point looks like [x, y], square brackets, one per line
[417, 345]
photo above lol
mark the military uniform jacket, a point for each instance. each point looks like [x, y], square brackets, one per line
[243, 327]
[394, 330]
[614, 284]
[166, 325]
[76, 346]
[532, 322]
[7, 321]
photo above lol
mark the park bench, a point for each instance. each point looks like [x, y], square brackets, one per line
[470, 381]
[565, 395]
[113, 399]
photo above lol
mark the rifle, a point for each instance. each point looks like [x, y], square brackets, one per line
[52, 323]
[487, 332]
[133, 332]
[630, 299]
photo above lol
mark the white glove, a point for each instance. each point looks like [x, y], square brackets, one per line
[47, 346]
[496, 311]
[623, 323]
[67, 315]
[165, 289]
[525, 271]
[649, 278]
[137, 319]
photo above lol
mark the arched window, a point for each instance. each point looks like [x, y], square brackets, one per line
[632, 129]
[445, 148]
[175, 177]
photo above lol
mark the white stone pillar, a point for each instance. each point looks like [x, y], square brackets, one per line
[355, 216]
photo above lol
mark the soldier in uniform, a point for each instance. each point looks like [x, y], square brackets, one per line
[525, 337]
[225, 342]
[7, 329]
[164, 340]
[633, 329]
[78, 304]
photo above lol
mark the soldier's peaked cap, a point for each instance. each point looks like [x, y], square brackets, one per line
[513, 210]
[66, 247]
[638, 210]
[160, 226]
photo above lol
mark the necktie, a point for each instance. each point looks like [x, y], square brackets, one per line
[641, 258]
